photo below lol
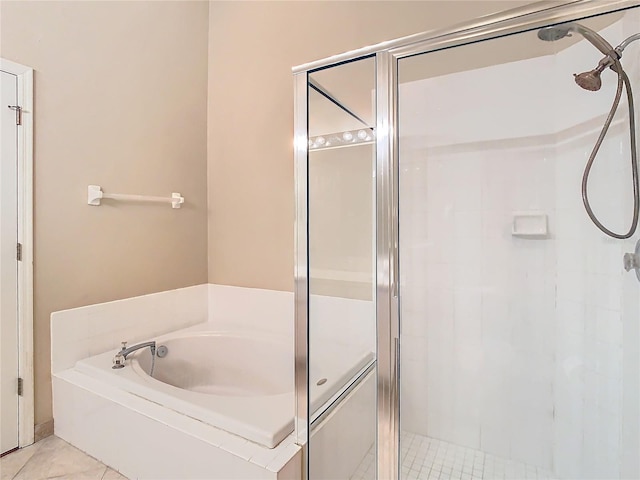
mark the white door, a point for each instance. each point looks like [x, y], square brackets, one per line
[8, 264]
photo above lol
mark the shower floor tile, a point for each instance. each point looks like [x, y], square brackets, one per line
[425, 458]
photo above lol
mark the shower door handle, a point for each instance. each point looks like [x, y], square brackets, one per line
[394, 275]
[396, 367]
[395, 389]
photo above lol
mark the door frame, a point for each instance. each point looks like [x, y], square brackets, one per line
[26, 401]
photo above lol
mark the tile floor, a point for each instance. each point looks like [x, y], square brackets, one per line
[53, 458]
[425, 458]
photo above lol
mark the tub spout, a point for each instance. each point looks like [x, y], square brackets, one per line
[121, 356]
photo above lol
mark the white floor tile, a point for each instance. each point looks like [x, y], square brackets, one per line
[11, 464]
[54, 458]
[425, 458]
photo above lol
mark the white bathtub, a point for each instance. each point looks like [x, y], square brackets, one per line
[239, 382]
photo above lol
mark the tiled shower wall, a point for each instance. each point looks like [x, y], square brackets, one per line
[596, 381]
[514, 346]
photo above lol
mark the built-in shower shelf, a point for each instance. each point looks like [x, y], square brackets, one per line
[530, 225]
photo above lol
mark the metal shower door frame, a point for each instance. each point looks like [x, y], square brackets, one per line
[388, 54]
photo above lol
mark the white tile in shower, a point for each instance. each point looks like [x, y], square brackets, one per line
[568, 175]
[570, 316]
[413, 350]
[494, 309]
[610, 395]
[414, 386]
[608, 260]
[419, 225]
[467, 224]
[530, 436]
[549, 309]
[467, 266]
[609, 429]
[608, 360]
[599, 459]
[467, 322]
[465, 429]
[494, 441]
[440, 412]
[425, 458]
[567, 448]
[572, 286]
[439, 275]
[413, 414]
[417, 327]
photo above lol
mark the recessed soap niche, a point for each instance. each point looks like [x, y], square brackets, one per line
[530, 225]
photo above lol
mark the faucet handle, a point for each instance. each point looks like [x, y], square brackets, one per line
[124, 345]
[632, 260]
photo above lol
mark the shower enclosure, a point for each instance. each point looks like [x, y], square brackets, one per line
[467, 251]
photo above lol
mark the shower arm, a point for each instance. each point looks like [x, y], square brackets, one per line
[595, 39]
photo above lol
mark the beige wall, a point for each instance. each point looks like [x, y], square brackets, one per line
[252, 47]
[121, 95]
[120, 101]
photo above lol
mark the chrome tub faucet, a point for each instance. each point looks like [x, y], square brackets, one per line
[121, 356]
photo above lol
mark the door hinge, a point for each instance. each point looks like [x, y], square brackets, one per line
[19, 252]
[18, 110]
[20, 387]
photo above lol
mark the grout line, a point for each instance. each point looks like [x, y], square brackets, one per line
[429, 458]
[37, 450]
[78, 473]
[36, 446]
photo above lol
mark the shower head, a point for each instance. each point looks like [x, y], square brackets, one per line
[589, 80]
[556, 32]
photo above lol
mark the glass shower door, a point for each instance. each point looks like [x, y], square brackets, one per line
[519, 325]
[341, 271]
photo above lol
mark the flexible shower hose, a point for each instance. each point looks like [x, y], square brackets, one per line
[153, 362]
[623, 79]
